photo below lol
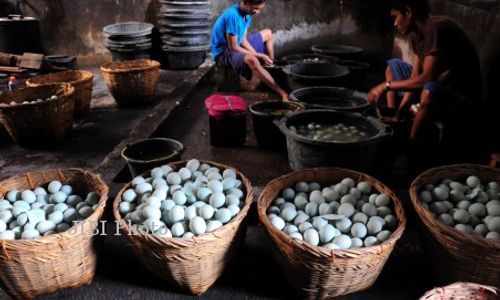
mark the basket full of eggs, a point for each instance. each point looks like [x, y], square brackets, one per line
[185, 220]
[47, 228]
[333, 229]
[38, 115]
[459, 208]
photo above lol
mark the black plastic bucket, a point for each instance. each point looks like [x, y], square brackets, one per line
[264, 115]
[19, 34]
[314, 74]
[184, 58]
[305, 153]
[328, 97]
[144, 155]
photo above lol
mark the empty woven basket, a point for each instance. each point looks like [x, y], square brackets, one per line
[462, 291]
[317, 272]
[132, 82]
[34, 267]
[81, 80]
[193, 264]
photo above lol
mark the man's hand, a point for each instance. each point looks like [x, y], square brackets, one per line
[267, 60]
[375, 93]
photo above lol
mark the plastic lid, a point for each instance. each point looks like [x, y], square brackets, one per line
[220, 105]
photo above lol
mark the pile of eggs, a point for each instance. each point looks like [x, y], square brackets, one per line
[341, 216]
[470, 207]
[196, 199]
[330, 132]
[53, 97]
[30, 214]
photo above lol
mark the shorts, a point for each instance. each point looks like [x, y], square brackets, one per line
[400, 71]
[236, 59]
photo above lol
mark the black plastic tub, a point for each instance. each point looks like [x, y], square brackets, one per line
[147, 154]
[328, 97]
[264, 115]
[314, 74]
[358, 70]
[340, 51]
[305, 153]
[184, 58]
[186, 40]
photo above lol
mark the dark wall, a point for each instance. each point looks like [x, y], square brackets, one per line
[482, 24]
[74, 26]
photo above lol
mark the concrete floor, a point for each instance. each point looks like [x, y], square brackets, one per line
[254, 274]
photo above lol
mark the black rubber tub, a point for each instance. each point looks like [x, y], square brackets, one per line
[358, 70]
[327, 97]
[264, 116]
[144, 155]
[306, 58]
[314, 74]
[340, 51]
[184, 58]
[186, 40]
[305, 153]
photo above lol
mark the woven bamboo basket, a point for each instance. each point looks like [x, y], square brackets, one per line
[131, 82]
[34, 267]
[193, 264]
[457, 256]
[38, 123]
[317, 272]
[462, 291]
[81, 80]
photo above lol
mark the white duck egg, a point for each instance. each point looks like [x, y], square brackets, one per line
[473, 182]
[215, 186]
[143, 188]
[304, 226]
[273, 210]
[371, 241]
[67, 189]
[160, 183]
[54, 186]
[349, 182]
[71, 214]
[446, 219]
[167, 204]
[382, 200]
[40, 191]
[45, 226]
[179, 198]
[314, 186]
[7, 235]
[355, 193]
[59, 197]
[300, 202]
[157, 173]
[193, 165]
[300, 218]
[290, 229]
[364, 187]
[344, 225]
[327, 233]
[28, 196]
[213, 225]
[190, 213]
[493, 224]
[384, 211]
[234, 209]
[206, 212]
[288, 194]
[278, 222]
[383, 236]
[330, 194]
[360, 217]
[173, 178]
[464, 228]
[348, 199]
[346, 209]
[316, 196]
[5, 205]
[178, 229]
[185, 174]
[126, 207]
[301, 186]
[288, 214]
[356, 243]
[478, 209]
[217, 200]
[3, 225]
[312, 209]
[461, 216]
[493, 208]
[369, 209]
[30, 234]
[440, 193]
[359, 230]
[203, 194]
[176, 214]
[341, 189]
[296, 235]
[324, 208]
[56, 217]
[493, 236]
[237, 192]
[372, 198]
[343, 241]
[311, 236]
[319, 222]
[224, 215]
[334, 206]
[197, 225]
[374, 226]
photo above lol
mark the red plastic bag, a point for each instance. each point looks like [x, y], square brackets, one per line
[219, 106]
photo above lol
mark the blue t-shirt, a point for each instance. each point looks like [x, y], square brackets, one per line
[230, 22]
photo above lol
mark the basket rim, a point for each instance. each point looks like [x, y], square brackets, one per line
[460, 285]
[323, 252]
[106, 68]
[70, 92]
[431, 223]
[38, 80]
[58, 237]
[207, 237]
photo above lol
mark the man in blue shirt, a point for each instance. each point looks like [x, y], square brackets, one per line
[231, 46]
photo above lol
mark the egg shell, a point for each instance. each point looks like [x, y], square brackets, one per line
[330, 194]
[364, 187]
[359, 230]
[301, 186]
[197, 225]
[481, 229]
[382, 200]
[271, 210]
[324, 208]
[5, 205]
[311, 236]
[288, 229]
[67, 189]
[355, 193]
[45, 226]
[163, 232]
[346, 209]
[56, 217]
[143, 188]
[348, 199]
[478, 209]
[54, 186]
[493, 224]
[213, 225]
[360, 217]
[492, 235]
[277, 222]
[30, 234]
[287, 205]
[223, 215]
[312, 209]
[28, 196]
[314, 186]
[327, 233]
[304, 226]
[178, 229]
[341, 189]
[22, 204]
[349, 182]
[70, 215]
[173, 178]
[440, 193]
[40, 191]
[369, 209]
[296, 235]
[3, 225]
[217, 199]
[374, 226]
[464, 228]
[493, 209]
[334, 206]
[189, 213]
[344, 225]
[473, 181]
[193, 165]
[372, 198]
[370, 241]
[319, 222]
[176, 214]
[7, 235]
[288, 194]
[383, 235]
[279, 201]
[461, 216]
[237, 192]
[446, 219]
[331, 246]
[343, 241]
[300, 202]
[300, 218]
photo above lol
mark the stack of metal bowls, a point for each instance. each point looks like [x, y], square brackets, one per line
[184, 28]
[128, 41]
